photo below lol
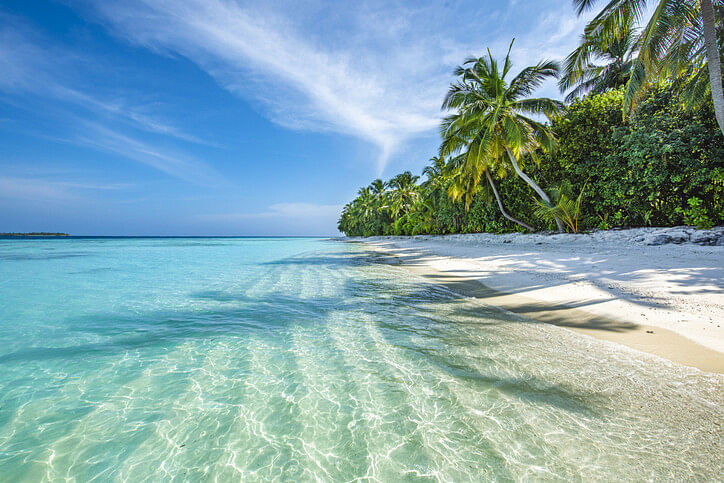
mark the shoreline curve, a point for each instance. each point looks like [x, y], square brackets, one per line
[651, 339]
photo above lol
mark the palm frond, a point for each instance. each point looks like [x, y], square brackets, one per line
[530, 78]
[604, 55]
[539, 105]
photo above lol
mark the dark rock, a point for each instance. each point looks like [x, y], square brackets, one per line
[657, 239]
[678, 236]
[704, 237]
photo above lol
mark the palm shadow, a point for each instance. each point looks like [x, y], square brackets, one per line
[689, 279]
[401, 316]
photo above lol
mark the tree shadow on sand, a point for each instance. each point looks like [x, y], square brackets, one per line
[604, 275]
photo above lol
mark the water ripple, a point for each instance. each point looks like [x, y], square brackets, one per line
[308, 360]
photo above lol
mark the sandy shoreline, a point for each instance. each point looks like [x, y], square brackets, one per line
[666, 300]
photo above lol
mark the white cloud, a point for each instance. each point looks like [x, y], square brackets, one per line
[280, 210]
[375, 71]
[277, 219]
[25, 188]
[122, 109]
[30, 67]
[172, 163]
[382, 96]
[30, 64]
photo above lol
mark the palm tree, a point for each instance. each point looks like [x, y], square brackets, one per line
[365, 206]
[378, 187]
[465, 186]
[436, 174]
[345, 220]
[403, 194]
[491, 118]
[582, 74]
[350, 222]
[438, 179]
[368, 213]
[434, 187]
[680, 38]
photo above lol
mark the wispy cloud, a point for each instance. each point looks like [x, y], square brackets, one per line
[121, 109]
[376, 71]
[279, 210]
[33, 65]
[39, 189]
[382, 97]
[175, 164]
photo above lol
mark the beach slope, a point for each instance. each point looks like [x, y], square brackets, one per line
[622, 286]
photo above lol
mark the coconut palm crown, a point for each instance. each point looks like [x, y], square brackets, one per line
[681, 38]
[601, 62]
[493, 120]
[404, 192]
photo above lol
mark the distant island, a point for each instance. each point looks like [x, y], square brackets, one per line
[39, 233]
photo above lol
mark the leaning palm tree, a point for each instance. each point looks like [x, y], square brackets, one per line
[491, 122]
[680, 38]
[466, 187]
[600, 62]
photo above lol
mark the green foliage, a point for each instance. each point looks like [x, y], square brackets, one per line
[562, 207]
[492, 122]
[696, 214]
[663, 167]
[661, 164]
[639, 171]
[670, 43]
[601, 62]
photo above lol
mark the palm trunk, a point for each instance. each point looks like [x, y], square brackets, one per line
[500, 204]
[533, 185]
[712, 57]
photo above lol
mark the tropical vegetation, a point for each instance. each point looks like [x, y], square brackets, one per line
[600, 62]
[681, 39]
[628, 148]
[491, 125]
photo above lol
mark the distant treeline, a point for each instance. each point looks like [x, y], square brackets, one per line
[34, 233]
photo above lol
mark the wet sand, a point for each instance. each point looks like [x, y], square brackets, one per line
[575, 305]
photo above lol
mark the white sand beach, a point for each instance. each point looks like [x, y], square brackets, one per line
[621, 286]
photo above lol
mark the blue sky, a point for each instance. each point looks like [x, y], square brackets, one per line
[218, 117]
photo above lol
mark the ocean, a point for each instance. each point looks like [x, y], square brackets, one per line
[299, 359]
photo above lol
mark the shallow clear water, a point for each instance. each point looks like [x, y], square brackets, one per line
[302, 359]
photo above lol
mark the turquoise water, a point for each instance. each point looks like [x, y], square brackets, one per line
[309, 359]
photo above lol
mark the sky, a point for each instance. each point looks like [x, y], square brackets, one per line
[224, 117]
